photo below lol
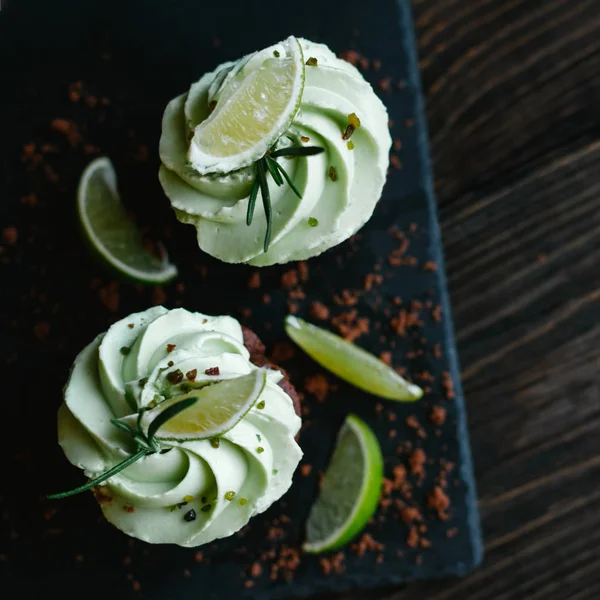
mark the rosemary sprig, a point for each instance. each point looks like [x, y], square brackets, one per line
[146, 445]
[268, 164]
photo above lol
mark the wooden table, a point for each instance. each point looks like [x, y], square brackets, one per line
[513, 101]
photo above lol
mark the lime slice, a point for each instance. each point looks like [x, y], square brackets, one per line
[350, 491]
[109, 230]
[218, 408]
[351, 363]
[254, 109]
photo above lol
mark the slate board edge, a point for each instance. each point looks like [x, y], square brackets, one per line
[437, 251]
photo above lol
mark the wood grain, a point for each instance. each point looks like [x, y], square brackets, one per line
[513, 90]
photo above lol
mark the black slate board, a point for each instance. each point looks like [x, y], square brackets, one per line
[139, 54]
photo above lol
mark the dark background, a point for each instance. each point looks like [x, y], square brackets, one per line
[512, 92]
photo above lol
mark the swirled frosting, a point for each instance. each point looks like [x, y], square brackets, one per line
[145, 499]
[337, 205]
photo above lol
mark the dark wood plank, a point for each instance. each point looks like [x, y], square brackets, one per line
[512, 93]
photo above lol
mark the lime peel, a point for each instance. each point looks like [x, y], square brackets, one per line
[351, 489]
[350, 362]
[109, 230]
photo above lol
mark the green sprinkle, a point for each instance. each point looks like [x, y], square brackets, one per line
[203, 499]
[276, 54]
[275, 471]
[125, 350]
[229, 496]
[188, 498]
[215, 442]
[260, 449]
[333, 174]
[243, 501]
[350, 145]
[206, 508]
[143, 381]
[312, 62]
[258, 437]
[313, 222]
[261, 405]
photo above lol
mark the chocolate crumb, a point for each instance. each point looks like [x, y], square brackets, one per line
[437, 415]
[317, 385]
[10, 235]
[439, 501]
[319, 311]
[254, 281]
[212, 371]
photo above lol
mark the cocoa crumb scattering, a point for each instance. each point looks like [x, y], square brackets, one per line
[318, 386]
[366, 543]
[10, 235]
[254, 281]
[385, 84]
[67, 128]
[430, 266]
[289, 279]
[303, 271]
[372, 280]
[305, 470]
[386, 357]
[439, 501]
[335, 564]
[412, 541]
[350, 325]
[417, 461]
[437, 415]
[395, 162]
[319, 311]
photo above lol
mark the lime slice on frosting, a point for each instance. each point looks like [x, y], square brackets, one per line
[110, 231]
[351, 363]
[257, 102]
[218, 408]
[350, 491]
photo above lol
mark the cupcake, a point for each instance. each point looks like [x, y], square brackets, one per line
[276, 157]
[186, 490]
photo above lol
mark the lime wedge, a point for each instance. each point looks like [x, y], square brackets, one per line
[351, 363]
[109, 230]
[255, 106]
[218, 408]
[350, 491]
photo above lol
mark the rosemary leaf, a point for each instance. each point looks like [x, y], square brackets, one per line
[287, 177]
[252, 202]
[277, 178]
[94, 482]
[298, 151]
[266, 198]
[126, 428]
